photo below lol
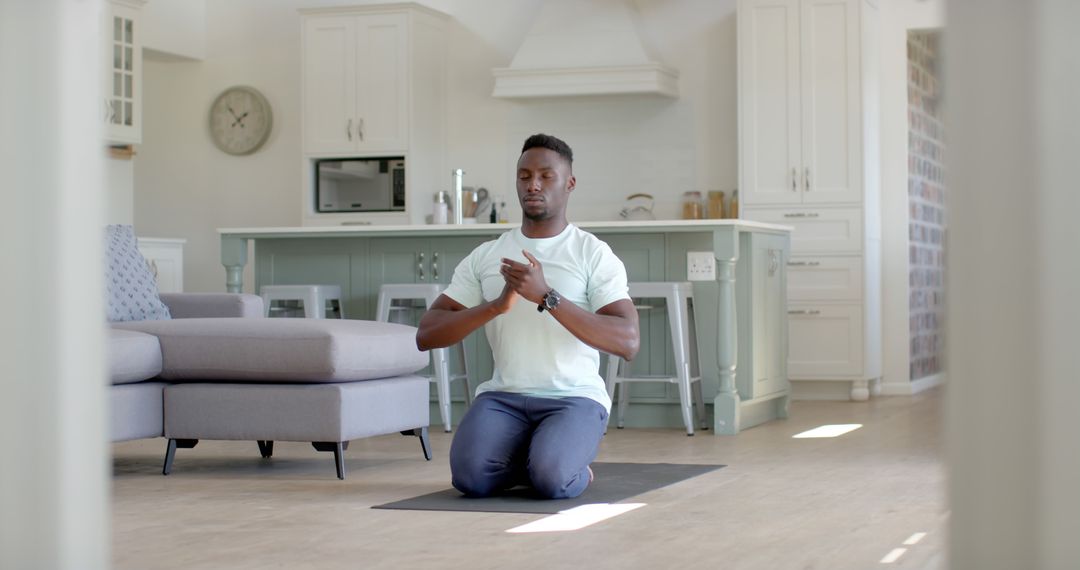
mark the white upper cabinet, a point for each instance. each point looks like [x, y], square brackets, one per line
[122, 98]
[355, 84]
[799, 96]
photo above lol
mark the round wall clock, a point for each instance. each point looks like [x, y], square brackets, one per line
[240, 120]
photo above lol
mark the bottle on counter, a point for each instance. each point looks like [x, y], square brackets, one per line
[733, 211]
[503, 217]
[440, 213]
[716, 205]
[693, 208]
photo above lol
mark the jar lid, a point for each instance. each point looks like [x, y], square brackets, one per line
[692, 194]
[442, 196]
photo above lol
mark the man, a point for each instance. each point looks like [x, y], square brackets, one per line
[550, 296]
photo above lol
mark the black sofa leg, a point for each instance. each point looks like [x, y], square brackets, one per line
[338, 447]
[266, 448]
[425, 443]
[170, 452]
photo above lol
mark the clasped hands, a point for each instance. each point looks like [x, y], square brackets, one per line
[522, 279]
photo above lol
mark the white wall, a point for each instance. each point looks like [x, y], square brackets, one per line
[186, 188]
[897, 17]
[174, 28]
[120, 191]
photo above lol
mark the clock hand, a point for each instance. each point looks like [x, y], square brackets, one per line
[233, 113]
[240, 119]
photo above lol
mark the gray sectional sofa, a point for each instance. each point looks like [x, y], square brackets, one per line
[209, 366]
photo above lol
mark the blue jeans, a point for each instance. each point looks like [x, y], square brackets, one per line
[509, 439]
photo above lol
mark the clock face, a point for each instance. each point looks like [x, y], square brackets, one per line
[240, 120]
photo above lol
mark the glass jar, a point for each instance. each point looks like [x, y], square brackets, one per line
[716, 205]
[693, 207]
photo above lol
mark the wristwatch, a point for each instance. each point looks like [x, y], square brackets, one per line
[550, 301]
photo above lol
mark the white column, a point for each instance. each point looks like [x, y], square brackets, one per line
[53, 450]
[1012, 86]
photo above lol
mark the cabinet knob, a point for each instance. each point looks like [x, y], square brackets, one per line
[360, 129]
[806, 178]
[420, 266]
[435, 266]
[804, 312]
[348, 130]
[794, 179]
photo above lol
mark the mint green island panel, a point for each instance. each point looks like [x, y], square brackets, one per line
[740, 316]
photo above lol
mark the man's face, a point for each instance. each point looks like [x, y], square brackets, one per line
[544, 183]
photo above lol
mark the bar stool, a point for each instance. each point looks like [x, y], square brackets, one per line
[679, 304]
[314, 298]
[440, 357]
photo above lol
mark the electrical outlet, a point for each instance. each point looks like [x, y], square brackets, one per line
[700, 266]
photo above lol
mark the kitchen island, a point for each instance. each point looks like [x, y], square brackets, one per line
[740, 310]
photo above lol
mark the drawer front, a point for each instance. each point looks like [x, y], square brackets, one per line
[819, 278]
[816, 230]
[825, 341]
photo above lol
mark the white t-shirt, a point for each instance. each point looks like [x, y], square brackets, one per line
[534, 353]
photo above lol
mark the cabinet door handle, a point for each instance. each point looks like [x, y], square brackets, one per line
[794, 179]
[435, 266]
[804, 312]
[360, 129]
[348, 130]
[802, 215]
[420, 266]
[803, 263]
[806, 178]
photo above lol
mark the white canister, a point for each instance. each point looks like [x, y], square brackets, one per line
[440, 213]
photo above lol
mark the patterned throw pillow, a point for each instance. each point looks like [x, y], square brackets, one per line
[131, 292]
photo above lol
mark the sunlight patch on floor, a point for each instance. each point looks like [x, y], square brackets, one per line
[829, 430]
[893, 555]
[576, 518]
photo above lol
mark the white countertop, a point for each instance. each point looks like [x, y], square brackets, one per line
[684, 225]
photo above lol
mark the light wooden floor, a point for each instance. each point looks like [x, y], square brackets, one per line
[837, 503]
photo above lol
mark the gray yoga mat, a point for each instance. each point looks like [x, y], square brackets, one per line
[614, 482]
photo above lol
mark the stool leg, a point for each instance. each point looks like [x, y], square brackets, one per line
[465, 378]
[679, 336]
[695, 359]
[610, 378]
[624, 402]
[441, 368]
[382, 311]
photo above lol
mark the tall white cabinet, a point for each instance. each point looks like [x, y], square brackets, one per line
[808, 158]
[374, 84]
[122, 97]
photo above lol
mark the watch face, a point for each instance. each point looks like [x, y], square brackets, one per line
[240, 120]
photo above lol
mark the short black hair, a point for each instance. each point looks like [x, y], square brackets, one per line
[549, 142]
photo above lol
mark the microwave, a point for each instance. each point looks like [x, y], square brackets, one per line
[360, 184]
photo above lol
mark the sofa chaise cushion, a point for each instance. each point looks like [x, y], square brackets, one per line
[133, 356]
[136, 411]
[296, 412]
[282, 350]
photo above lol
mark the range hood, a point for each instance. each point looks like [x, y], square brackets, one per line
[584, 47]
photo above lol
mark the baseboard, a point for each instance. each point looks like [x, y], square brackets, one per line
[821, 390]
[912, 387]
